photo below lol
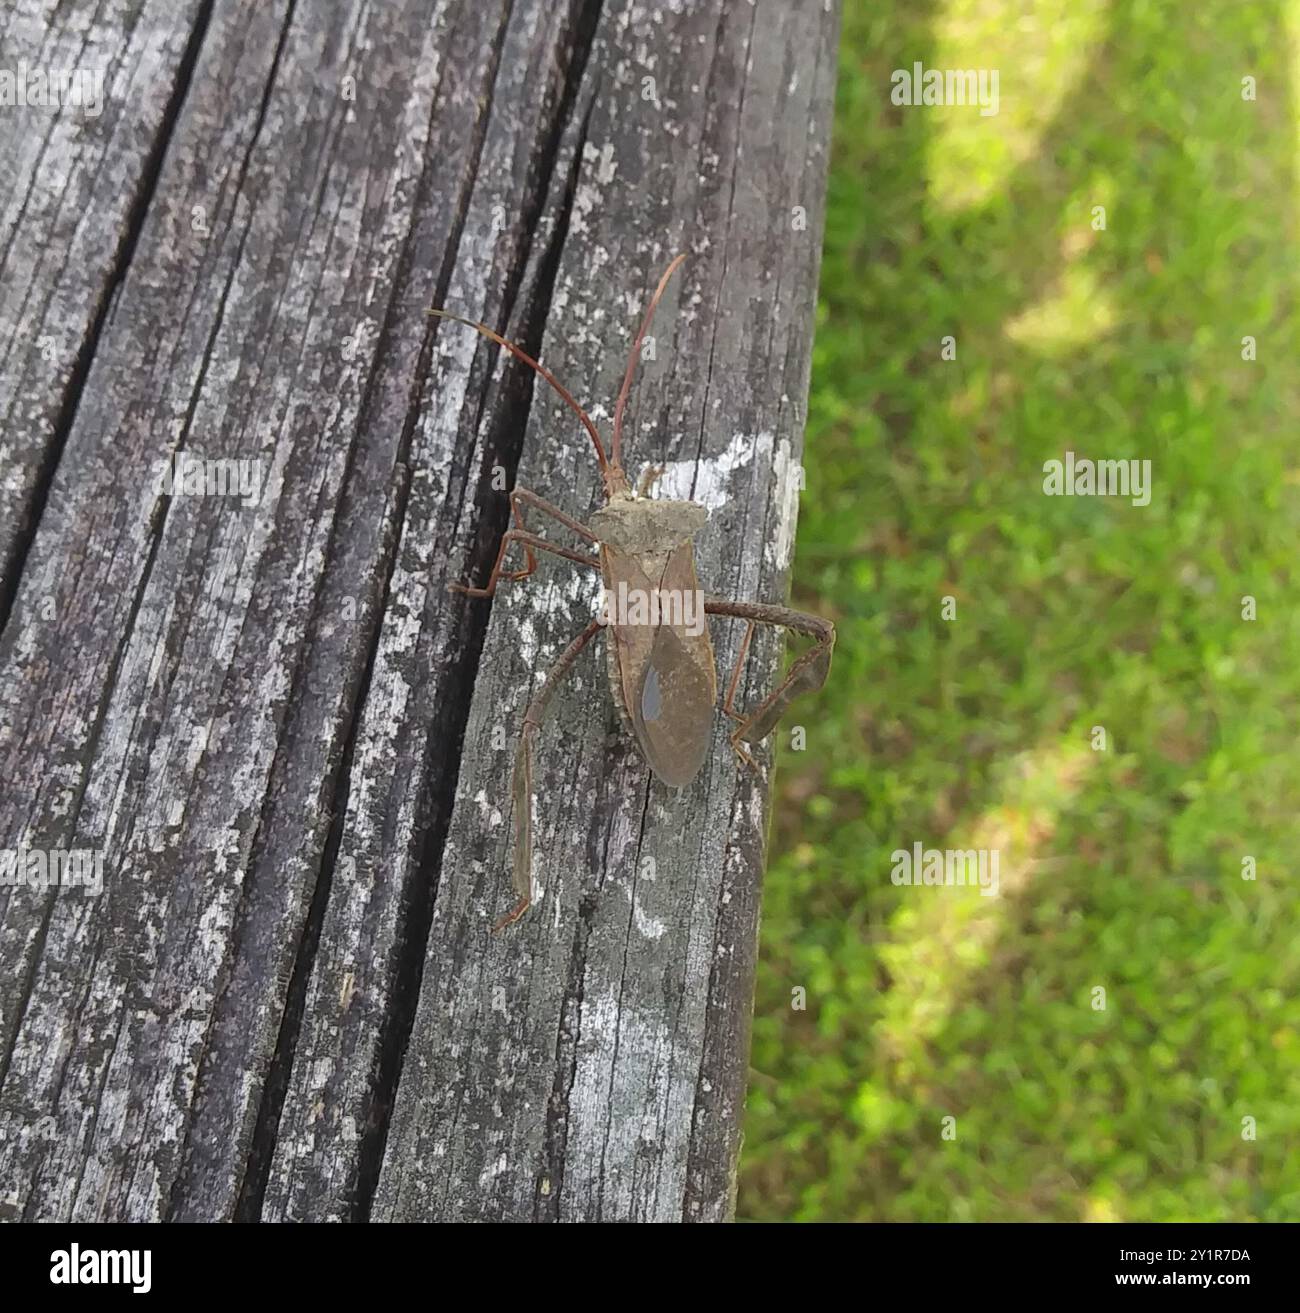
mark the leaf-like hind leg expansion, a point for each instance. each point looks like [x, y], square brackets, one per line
[530, 541]
[522, 784]
[807, 674]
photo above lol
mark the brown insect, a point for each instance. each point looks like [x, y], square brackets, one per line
[662, 673]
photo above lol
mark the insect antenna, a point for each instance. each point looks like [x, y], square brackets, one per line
[520, 354]
[617, 449]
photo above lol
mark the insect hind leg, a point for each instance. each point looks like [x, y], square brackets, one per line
[806, 675]
[522, 781]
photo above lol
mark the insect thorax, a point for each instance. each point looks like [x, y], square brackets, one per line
[639, 526]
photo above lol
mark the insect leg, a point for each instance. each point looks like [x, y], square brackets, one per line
[528, 541]
[530, 561]
[729, 702]
[806, 675]
[522, 784]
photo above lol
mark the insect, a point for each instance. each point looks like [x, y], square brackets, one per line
[662, 673]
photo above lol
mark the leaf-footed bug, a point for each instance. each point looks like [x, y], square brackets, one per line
[662, 673]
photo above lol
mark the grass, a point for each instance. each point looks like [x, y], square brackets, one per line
[1121, 868]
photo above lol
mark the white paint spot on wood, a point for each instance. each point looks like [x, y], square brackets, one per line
[490, 813]
[605, 166]
[779, 547]
[648, 927]
[706, 481]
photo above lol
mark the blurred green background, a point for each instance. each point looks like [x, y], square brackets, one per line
[1120, 869]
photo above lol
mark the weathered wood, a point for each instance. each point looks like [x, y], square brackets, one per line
[57, 270]
[273, 719]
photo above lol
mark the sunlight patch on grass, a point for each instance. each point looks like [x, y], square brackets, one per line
[1097, 1208]
[938, 936]
[1040, 53]
[1077, 311]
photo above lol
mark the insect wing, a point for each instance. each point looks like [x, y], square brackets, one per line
[672, 710]
[629, 645]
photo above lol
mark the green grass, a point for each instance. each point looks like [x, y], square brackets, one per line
[1121, 869]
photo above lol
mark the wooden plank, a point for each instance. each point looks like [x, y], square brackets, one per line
[590, 1063]
[91, 657]
[254, 709]
[196, 720]
[74, 179]
[360, 996]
